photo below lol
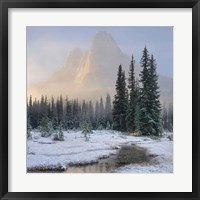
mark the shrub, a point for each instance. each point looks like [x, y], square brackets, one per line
[86, 129]
[59, 135]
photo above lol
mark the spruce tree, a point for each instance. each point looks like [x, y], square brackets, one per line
[101, 121]
[86, 129]
[59, 135]
[170, 118]
[54, 114]
[164, 115]
[35, 114]
[44, 126]
[91, 114]
[120, 102]
[137, 108]
[28, 128]
[97, 113]
[101, 108]
[130, 118]
[149, 122]
[154, 104]
[59, 107]
[68, 115]
[108, 110]
[144, 118]
[30, 111]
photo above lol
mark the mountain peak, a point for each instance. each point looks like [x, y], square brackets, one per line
[103, 39]
[102, 35]
[92, 73]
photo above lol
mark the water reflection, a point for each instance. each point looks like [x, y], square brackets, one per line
[126, 155]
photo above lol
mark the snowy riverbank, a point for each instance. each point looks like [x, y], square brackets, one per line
[46, 154]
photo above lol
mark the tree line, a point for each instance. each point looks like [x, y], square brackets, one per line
[50, 114]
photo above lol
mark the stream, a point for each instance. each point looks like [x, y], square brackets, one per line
[130, 154]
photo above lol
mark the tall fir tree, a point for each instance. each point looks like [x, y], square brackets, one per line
[154, 95]
[132, 100]
[91, 114]
[68, 115]
[34, 121]
[108, 110]
[54, 114]
[97, 113]
[59, 107]
[44, 126]
[120, 102]
[76, 114]
[149, 122]
[144, 118]
[164, 115]
[101, 121]
[30, 112]
[137, 109]
[101, 108]
[170, 118]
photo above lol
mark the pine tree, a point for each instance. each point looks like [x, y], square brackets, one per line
[130, 119]
[164, 118]
[101, 121]
[144, 116]
[86, 129]
[84, 109]
[76, 114]
[120, 102]
[34, 120]
[28, 129]
[97, 114]
[59, 135]
[154, 95]
[137, 108]
[101, 108]
[59, 108]
[68, 115]
[91, 114]
[54, 114]
[108, 110]
[149, 122]
[170, 118]
[44, 126]
[30, 111]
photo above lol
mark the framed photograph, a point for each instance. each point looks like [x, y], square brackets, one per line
[99, 99]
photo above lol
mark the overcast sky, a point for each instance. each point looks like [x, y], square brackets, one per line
[48, 47]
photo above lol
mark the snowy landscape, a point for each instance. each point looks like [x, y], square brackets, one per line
[108, 109]
[44, 154]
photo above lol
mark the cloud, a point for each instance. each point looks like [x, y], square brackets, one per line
[36, 74]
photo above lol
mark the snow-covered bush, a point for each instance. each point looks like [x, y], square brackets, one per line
[45, 134]
[46, 126]
[59, 135]
[86, 129]
[108, 126]
[100, 127]
[29, 136]
[170, 137]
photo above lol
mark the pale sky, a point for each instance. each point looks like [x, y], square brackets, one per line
[48, 47]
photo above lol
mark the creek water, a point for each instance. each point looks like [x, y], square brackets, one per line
[126, 155]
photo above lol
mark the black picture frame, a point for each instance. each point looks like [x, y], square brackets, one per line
[4, 82]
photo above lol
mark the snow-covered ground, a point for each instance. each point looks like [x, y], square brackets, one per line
[46, 154]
